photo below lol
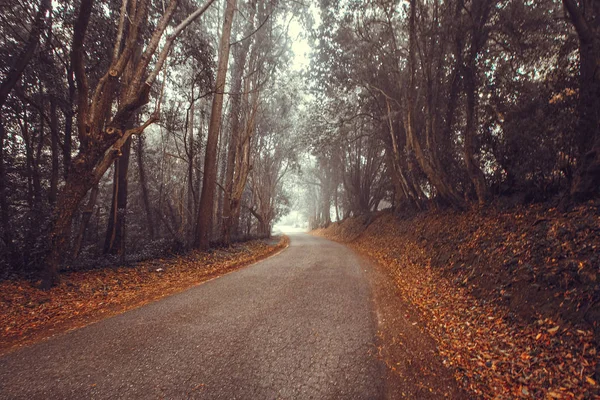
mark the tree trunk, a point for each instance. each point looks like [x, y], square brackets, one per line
[191, 192]
[205, 213]
[37, 176]
[218, 199]
[337, 207]
[263, 229]
[144, 186]
[114, 242]
[240, 57]
[479, 15]
[68, 200]
[102, 132]
[54, 152]
[325, 192]
[4, 207]
[325, 207]
[32, 154]
[475, 173]
[68, 113]
[115, 233]
[86, 215]
[241, 168]
[437, 178]
[586, 19]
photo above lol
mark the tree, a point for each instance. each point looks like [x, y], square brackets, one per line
[102, 133]
[23, 59]
[209, 180]
[238, 163]
[454, 91]
[272, 159]
[6, 86]
[585, 16]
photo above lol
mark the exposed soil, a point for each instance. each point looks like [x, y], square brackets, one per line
[510, 296]
[28, 314]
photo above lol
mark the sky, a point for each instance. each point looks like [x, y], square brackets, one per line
[300, 43]
[300, 46]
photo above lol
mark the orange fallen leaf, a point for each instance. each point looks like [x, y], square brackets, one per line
[553, 330]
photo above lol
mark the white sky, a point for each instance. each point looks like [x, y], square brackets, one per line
[300, 43]
[300, 46]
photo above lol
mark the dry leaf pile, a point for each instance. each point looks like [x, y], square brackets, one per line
[28, 313]
[510, 297]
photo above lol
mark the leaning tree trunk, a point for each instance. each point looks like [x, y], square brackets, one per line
[437, 178]
[209, 180]
[74, 191]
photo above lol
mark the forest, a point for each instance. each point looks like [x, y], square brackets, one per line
[454, 104]
[134, 128]
[148, 147]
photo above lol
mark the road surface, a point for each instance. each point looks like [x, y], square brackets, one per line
[298, 325]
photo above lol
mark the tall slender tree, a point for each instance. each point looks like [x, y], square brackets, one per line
[209, 181]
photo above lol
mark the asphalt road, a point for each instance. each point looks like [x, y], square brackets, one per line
[298, 325]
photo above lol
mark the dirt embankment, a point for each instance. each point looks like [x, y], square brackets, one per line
[511, 297]
[28, 314]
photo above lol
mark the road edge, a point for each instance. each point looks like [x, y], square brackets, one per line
[49, 332]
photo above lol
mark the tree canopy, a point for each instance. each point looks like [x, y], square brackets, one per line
[134, 128]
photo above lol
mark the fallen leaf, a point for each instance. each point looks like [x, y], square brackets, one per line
[553, 330]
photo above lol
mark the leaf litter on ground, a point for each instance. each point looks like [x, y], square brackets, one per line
[28, 314]
[510, 297]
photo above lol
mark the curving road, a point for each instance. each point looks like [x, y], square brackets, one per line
[299, 325]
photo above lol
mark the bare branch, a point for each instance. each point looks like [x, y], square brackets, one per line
[120, 32]
[253, 32]
[23, 59]
[78, 64]
[117, 67]
[114, 151]
[171, 38]
[154, 42]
